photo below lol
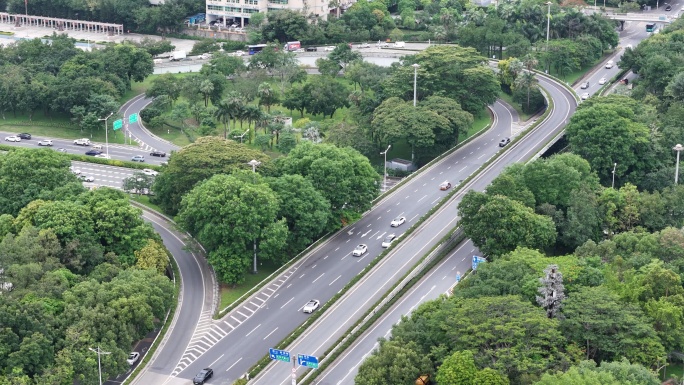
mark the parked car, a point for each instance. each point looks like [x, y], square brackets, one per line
[602, 81]
[82, 142]
[360, 250]
[387, 242]
[311, 49]
[150, 172]
[93, 152]
[160, 154]
[12, 138]
[503, 142]
[24, 135]
[445, 186]
[311, 306]
[585, 96]
[45, 142]
[133, 358]
[398, 221]
[138, 158]
[203, 376]
[584, 85]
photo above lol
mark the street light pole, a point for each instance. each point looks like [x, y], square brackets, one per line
[677, 148]
[254, 163]
[415, 78]
[106, 134]
[614, 166]
[548, 28]
[384, 175]
[99, 352]
[242, 136]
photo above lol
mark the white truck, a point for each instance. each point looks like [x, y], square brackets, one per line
[178, 55]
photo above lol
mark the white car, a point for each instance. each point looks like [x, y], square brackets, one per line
[609, 64]
[45, 142]
[329, 48]
[103, 156]
[12, 138]
[585, 96]
[396, 222]
[74, 170]
[87, 178]
[82, 142]
[237, 53]
[382, 44]
[360, 250]
[133, 358]
[147, 171]
[311, 306]
[602, 81]
[388, 240]
[364, 45]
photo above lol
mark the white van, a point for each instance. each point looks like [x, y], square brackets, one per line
[609, 64]
[158, 61]
[399, 44]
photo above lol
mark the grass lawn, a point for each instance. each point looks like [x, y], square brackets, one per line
[145, 200]
[57, 126]
[509, 99]
[171, 134]
[675, 369]
[230, 294]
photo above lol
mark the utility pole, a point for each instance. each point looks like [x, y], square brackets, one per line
[254, 163]
[679, 149]
[384, 175]
[99, 352]
[106, 132]
[613, 185]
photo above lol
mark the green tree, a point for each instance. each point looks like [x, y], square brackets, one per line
[344, 177]
[267, 96]
[607, 329]
[498, 224]
[152, 256]
[201, 160]
[457, 369]
[343, 55]
[395, 363]
[243, 214]
[326, 96]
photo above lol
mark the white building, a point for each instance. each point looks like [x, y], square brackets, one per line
[239, 11]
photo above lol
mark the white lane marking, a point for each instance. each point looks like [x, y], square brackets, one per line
[257, 327]
[287, 302]
[269, 334]
[212, 364]
[424, 196]
[231, 366]
[333, 281]
[319, 277]
[464, 167]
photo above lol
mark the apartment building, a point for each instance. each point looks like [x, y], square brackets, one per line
[227, 12]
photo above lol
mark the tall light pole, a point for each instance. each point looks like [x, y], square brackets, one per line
[106, 134]
[415, 78]
[384, 175]
[99, 352]
[614, 167]
[677, 148]
[548, 29]
[242, 136]
[254, 163]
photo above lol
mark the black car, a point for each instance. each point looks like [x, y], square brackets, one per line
[504, 142]
[668, 9]
[24, 136]
[93, 152]
[158, 153]
[311, 49]
[203, 376]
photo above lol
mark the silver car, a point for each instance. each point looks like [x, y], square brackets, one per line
[388, 240]
[360, 250]
[311, 306]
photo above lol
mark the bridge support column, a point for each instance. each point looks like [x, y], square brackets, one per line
[622, 25]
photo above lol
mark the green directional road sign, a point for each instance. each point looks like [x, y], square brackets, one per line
[118, 124]
[279, 355]
[132, 118]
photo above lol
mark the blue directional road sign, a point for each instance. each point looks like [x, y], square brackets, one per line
[308, 361]
[477, 260]
[458, 276]
[279, 355]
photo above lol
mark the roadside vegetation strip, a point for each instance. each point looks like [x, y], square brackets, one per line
[437, 159]
[384, 304]
[165, 328]
[265, 360]
[92, 159]
[609, 84]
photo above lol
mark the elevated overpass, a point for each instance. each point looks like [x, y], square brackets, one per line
[645, 17]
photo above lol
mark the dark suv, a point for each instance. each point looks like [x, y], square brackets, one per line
[203, 376]
[311, 49]
[24, 135]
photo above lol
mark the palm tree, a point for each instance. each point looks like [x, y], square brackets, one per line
[235, 104]
[206, 88]
[223, 115]
[253, 115]
[267, 96]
